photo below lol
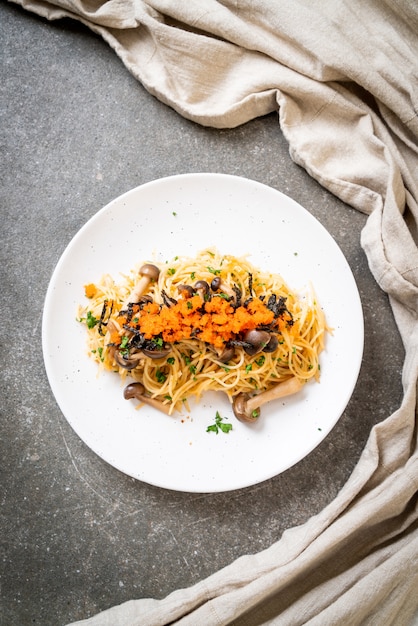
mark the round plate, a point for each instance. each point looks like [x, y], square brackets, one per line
[182, 215]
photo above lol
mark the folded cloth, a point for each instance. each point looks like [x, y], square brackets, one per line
[344, 78]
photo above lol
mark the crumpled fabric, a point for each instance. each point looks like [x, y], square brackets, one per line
[343, 77]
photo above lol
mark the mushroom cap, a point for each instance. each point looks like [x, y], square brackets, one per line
[227, 354]
[203, 285]
[258, 339]
[218, 284]
[152, 271]
[240, 409]
[127, 364]
[186, 291]
[137, 391]
[145, 299]
[157, 353]
[133, 390]
[272, 344]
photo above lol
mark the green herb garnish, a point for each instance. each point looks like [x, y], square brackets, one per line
[124, 342]
[213, 271]
[186, 358]
[91, 321]
[219, 425]
[160, 376]
[123, 348]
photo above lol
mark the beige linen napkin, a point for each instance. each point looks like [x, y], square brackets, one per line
[344, 78]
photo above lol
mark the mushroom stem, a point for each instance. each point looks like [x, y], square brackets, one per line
[156, 404]
[247, 408]
[137, 391]
[147, 273]
[287, 388]
[202, 288]
[219, 285]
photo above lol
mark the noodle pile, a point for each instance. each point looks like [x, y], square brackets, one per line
[182, 337]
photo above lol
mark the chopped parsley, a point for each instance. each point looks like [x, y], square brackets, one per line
[91, 321]
[186, 358]
[124, 348]
[160, 376]
[124, 342]
[219, 425]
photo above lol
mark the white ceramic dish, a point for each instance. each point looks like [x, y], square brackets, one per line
[181, 215]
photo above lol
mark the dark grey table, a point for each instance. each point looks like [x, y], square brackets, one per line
[78, 536]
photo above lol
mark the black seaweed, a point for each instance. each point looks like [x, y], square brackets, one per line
[103, 321]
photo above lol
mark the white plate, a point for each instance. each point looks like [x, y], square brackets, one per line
[181, 215]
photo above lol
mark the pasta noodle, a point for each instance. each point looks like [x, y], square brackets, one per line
[213, 322]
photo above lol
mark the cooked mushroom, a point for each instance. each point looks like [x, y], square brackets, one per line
[127, 363]
[134, 355]
[147, 273]
[225, 354]
[144, 300]
[137, 391]
[247, 408]
[158, 353]
[272, 344]
[258, 340]
[202, 288]
[218, 284]
[186, 291]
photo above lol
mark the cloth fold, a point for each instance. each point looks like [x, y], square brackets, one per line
[344, 80]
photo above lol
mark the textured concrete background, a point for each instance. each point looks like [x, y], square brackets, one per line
[77, 536]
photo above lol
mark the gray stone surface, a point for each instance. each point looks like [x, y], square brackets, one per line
[78, 536]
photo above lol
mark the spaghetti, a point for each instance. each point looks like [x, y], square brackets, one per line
[213, 322]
